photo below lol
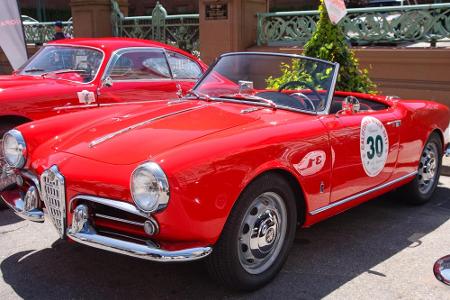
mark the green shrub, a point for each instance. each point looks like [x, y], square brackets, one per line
[328, 43]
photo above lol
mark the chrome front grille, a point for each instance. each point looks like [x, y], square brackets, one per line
[54, 196]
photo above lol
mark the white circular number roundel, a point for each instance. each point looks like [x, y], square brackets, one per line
[374, 144]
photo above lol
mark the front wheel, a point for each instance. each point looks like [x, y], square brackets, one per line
[421, 189]
[257, 236]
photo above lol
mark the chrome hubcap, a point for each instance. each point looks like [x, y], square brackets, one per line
[262, 233]
[428, 168]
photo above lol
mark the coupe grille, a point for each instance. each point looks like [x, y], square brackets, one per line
[53, 195]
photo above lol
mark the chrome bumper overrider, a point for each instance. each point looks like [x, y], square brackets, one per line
[19, 207]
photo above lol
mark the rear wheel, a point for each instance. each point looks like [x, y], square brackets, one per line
[421, 189]
[257, 236]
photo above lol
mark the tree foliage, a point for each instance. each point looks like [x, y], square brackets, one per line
[328, 43]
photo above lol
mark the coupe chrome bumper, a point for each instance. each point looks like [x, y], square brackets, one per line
[18, 205]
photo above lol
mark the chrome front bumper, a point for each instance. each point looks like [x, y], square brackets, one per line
[91, 238]
[84, 233]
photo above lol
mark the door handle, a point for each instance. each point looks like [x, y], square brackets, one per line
[396, 123]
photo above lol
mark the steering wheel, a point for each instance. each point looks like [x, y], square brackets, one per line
[309, 86]
[86, 67]
[306, 99]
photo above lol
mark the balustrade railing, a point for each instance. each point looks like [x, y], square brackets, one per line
[181, 31]
[363, 26]
[42, 32]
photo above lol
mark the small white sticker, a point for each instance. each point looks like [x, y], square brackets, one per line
[374, 145]
[312, 163]
[86, 97]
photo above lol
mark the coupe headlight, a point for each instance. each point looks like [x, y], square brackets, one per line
[149, 187]
[14, 149]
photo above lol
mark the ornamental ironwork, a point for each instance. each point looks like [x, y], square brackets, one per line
[362, 26]
[181, 31]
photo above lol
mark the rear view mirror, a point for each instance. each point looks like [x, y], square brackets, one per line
[441, 269]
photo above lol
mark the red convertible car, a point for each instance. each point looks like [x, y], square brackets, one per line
[228, 172]
[78, 74]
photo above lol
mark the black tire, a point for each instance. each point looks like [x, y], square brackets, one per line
[225, 265]
[414, 192]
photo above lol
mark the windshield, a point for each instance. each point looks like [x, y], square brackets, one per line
[284, 81]
[80, 63]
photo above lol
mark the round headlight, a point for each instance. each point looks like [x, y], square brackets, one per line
[14, 149]
[149, 187]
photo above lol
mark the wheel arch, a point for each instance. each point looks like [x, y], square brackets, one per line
[291, 179]
[13, 119]
[439, 133]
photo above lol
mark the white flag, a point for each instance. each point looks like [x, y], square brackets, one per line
[336, 10]
[11, 33]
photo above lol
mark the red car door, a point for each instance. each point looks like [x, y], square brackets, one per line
[135, 75]
[364, 148]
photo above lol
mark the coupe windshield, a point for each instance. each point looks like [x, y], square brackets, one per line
[74, 63]
[284, 81]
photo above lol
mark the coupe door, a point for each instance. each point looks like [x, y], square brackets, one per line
[364, 148]
[136, 75]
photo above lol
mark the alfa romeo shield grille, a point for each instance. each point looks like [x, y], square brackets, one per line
[53, 195]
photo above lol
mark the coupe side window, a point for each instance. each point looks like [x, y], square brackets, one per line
[140, 65]
[183, 67]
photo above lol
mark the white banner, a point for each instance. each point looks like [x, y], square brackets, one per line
[336, 10]
[11, 33]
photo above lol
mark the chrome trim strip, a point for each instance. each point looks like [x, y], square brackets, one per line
[356, 196]
[34, 215]
[75, 106]
[119, 220]
[131, 102]
[125, 206]
[126, 129]
[331, 91]
[88, 236]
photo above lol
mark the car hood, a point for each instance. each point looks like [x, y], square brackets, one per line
[17, 82]
[142, 132]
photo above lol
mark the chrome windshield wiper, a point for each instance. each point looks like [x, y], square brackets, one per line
[63, 71]
[199, 95]
[34, 70]
[252, 98]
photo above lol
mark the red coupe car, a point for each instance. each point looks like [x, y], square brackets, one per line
[228, 172]
[78, 74]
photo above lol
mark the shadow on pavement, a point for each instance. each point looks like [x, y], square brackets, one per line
[7, 217]
[323, 258]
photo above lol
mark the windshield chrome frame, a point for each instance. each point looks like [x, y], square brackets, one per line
[117, 53]
[331, 91]
[19, 71]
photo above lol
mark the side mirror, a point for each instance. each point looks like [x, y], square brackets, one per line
[441, 269]
[108, 82]
[351, 104]
[179, 91]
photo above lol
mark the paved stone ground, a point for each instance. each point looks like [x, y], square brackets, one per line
[383, 249]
